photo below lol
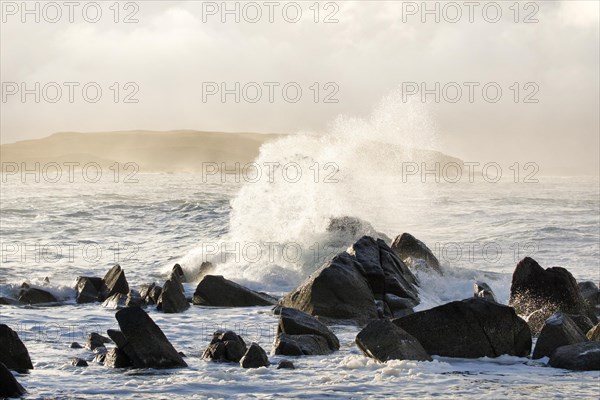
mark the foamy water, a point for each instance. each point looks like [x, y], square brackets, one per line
[270, 234]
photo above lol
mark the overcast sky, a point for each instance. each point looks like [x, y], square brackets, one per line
[372, 49]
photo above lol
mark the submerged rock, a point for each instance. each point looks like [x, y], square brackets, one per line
[76, 345]
[559, 330]
[9, 387]
[550, 290]
[415, 253]
[120, 300]
[470, 328]
[172, 299]
[214, 290]
[383, 341]
[352, 228]
[255, 357]
[7, 301]
[147, 346]
[301, 345]
[580, 357]
[79, 362]
[36, 296]
[225, 346]
[285, 364]
[13, 353]
[483, 290]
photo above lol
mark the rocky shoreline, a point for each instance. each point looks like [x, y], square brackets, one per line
[372, 284]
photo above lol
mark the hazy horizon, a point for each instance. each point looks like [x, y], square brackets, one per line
[371, 51]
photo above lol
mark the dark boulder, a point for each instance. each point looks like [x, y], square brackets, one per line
[366, 281]
[150, 293]
[88, 289]
[225, 346]
[579, 357]
[9, 387]
[178, 271]
[296, 322]
[79, 362]
[483, 290]
[301, 345]
[559, 330]
[554, 289]
[172, 298]
[339, 290]
[116, 358]
[36, 296]
[594, 333]
[13, 353]
[383, 341]
[95, 340]
[255, 357]
[470, 328]
[76, 345]
[114, 282]
[589, 292]
[214, 290]
[285, 364]
[415, 253]
[147, 341]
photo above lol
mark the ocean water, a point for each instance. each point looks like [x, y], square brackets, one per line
[267, 229]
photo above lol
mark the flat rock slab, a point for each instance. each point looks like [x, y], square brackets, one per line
[470, 328]
[216, 291]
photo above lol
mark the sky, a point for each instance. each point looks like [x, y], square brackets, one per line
[165, 65]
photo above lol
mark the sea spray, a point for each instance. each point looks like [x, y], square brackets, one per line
[278, 231]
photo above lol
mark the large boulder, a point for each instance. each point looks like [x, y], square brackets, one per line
[13, 353]
[415, 253]
[32, 295]
[383, 341]
[470, 328]
[114, 282]
[580, 357]
[550, 290]
[559, 330]
[296, 322]
[483, 290]
[255, 357]
[172, 298]
[88, 289]
[214, 290]
[339, 290]
[146, 341]
[225, 346]
[357, 285]
[9, 387]
[178, 271]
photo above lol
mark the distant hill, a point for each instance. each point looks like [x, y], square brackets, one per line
[172, 151]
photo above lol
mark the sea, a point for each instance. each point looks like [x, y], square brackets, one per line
[265, 226]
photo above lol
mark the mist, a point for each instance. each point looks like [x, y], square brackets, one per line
[178, 51]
